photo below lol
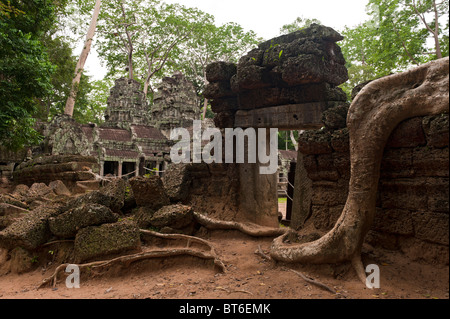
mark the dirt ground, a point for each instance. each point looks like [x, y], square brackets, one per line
[247, 276]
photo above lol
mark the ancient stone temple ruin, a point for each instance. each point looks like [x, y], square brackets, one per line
[126, 105]
[285, 83]
[369, 175]
[134, 139]
[291, 83]
[175, 104]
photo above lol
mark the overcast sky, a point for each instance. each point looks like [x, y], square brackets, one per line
[267, 17]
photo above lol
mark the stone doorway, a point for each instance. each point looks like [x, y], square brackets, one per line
[128, 168]
[111, 168]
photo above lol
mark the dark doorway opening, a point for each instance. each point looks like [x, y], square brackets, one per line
[128, 168]
[111, 168]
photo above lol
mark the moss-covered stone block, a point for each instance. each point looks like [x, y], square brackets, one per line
[107, 239]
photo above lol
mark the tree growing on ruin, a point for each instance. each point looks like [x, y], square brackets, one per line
[210, 43]
[140, 37]
[373, 115]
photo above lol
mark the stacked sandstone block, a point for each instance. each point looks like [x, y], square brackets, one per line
[293, 72]
[412, 212]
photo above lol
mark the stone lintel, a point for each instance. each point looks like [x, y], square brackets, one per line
[285, 117]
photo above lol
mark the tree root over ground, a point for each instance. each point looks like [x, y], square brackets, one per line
[375, 112]
[126, 260]
[246, 228]
[210, 254]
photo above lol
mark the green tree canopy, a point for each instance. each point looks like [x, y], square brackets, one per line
[298, 24]
[25, 69]
[140, 37]
[210, 43]
[399, 34]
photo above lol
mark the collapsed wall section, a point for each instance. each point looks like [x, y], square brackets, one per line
[72, 170]
[212, 189]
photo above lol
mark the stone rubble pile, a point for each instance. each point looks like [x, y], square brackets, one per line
[98, 223]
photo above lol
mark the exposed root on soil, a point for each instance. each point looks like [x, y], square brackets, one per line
[313, 281]
[246, 228]
[260, 252]
[233, 291]
[359, 268]
[125, 261]
[189, 239]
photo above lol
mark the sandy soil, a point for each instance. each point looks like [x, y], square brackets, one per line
[247, 276]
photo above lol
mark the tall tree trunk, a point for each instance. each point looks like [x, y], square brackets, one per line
[81, 62]
[293, 140]
[130, 42]
[205, 108]
[205, 103]
[130, 64]
[436, 31]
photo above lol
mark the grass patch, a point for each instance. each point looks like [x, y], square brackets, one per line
[282, 200]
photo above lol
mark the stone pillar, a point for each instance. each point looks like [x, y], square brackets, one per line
[301, 206]
[158, 163]
[102, 168]
[141, 166]
[258, 198]
[136, 168]
[119, 170]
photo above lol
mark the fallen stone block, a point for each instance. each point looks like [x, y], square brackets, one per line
[149, 192]
[176, 182]
[174, 218]
[69, 223]
[59, 188]
[98, 241]
[29, 232]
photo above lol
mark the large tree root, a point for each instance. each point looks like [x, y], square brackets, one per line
[373, 115]
[246, 228]
[125, 261]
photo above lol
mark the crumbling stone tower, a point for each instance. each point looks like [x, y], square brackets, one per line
[126, 105]
[175, 104]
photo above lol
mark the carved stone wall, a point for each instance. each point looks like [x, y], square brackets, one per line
[65, 136]
[208, 188]
[413, 194]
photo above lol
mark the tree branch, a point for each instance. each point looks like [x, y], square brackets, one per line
[404, 45]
